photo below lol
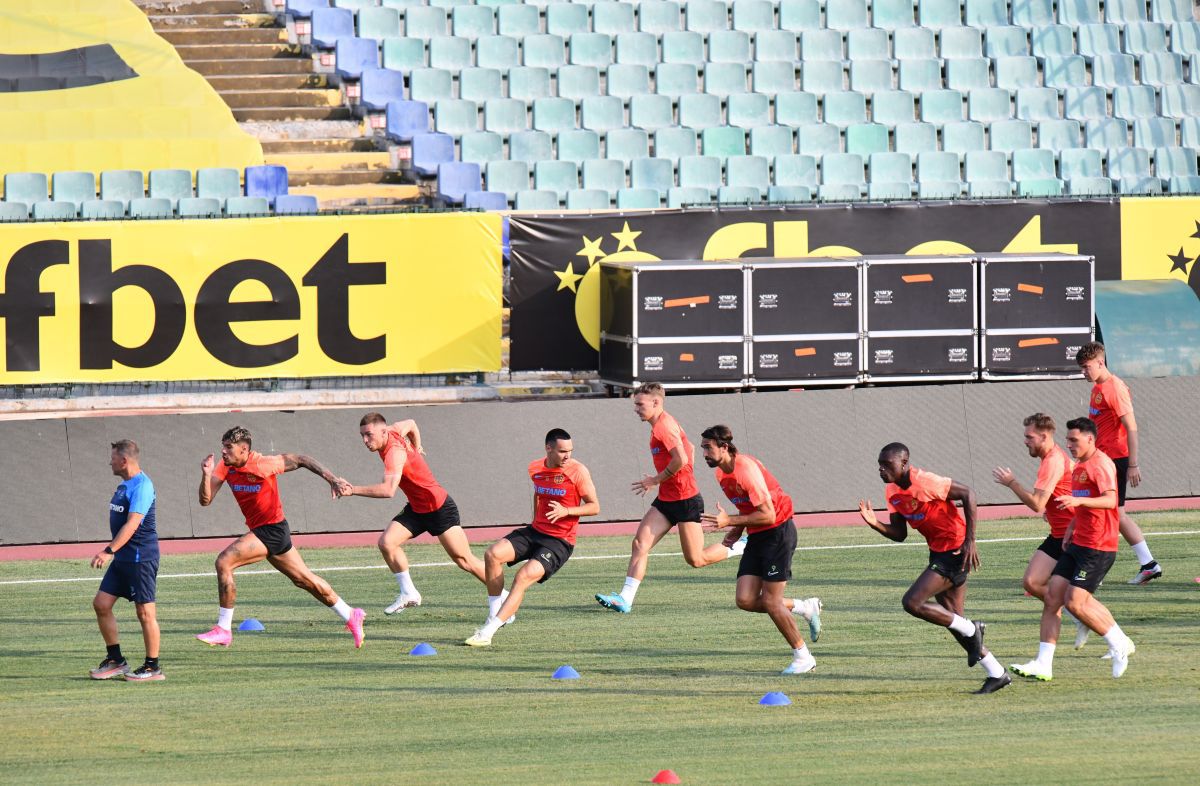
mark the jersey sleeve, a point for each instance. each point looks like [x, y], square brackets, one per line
[1122, 403]
[1106, 476]
[750, 477]
[266, 466]
[887, 498]
[668, 433]
[582, 479]
[220, 471]
[141, 497]
[535, 466]
[395, 458]
[930, 487]
[1050, 471]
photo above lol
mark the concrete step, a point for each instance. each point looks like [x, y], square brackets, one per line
[267, 81]
[214, 66]
[292, 113]
[226, 36]
[334, 145]
[162, 22]
[339, 177]
[194, 7]
[331, 161]
[190, 52]
[362, 195]
[303, 129]
[245, 99]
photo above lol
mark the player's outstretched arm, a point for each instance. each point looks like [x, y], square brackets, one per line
[209, 486]
[966, 495]
[896, 529]
[293, 461]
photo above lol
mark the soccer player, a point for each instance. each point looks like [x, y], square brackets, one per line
[563, 492]
[1111, 409]
[429, 508]
[251, 478]
[678, 501]
[133, 574]
[925, 502]
[1053, 480]
[765, 512]
[1089, 548]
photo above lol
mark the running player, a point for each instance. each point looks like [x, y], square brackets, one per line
[1053, 480]
[133, 574]
[429, 508]
[1089, 546]
[678, 501]
[765, 512]
[925, 502]
[1111, 409]
[251, 477]
[562, 493]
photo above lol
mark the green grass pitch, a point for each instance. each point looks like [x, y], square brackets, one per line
[673, 685]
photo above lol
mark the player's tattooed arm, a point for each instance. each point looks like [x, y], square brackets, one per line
[293, 461]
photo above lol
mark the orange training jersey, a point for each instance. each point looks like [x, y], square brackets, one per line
[1054, 476]
[665, 434]
[1095, 529]
[1109, 403]
[925, 507]
[749, 485]
[424, 493]
[254, 487]
[566, 485]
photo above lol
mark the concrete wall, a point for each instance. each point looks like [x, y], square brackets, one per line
[821, 445]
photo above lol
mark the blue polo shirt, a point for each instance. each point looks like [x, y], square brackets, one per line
[135, 495]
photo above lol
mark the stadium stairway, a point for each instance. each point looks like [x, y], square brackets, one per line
[276, 94]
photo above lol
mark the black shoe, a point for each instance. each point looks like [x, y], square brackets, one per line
[109, 668]
[993, 684]
[974, 644]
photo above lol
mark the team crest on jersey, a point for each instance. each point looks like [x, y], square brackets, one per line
[1081, 476]
[1098, 398]
[246, 476]
[912, 505]
[559, 478]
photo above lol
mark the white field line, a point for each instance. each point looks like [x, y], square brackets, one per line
[240, 573]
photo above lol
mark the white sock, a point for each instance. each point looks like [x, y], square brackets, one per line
[1115, 635]
[630, 589]
[494, 602]
[342, 609]
[492, 625]
[801, 652]
[406, 583]
[800, 608]
[991, 665]
[225, 618]
[962, 626]
[1142, 552]
[1045, 653]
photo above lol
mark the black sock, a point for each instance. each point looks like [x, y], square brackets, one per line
[114, 653]
[151, 662]
[1151, 565]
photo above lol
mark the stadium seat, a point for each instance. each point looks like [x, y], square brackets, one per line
[536, 200]
[480, 147]
[916, 43]
[788, 194]
[431, 150]
[838, 168]
[1090, 186]
[845, 14]
[588, 199]
[613, 18]
[500, 52]
[1154, 132]
[962, 137]
[795, 109]
[528, 83]
[676, 79]
[867, 43]
[871, 76]
[651, 112]
[626, 81]
[557, 176]
[544, 50]
[607, 175]
[378, 23]
[749, 110]
[893, 14]
[939, 189]
[470, 21]
[1134, 102]
[27, 187]
[122, 185]
[1171, 10]
[240, 206]
[796, 170]
[1181, 101]
[1189, 132]
[484, 200]
[450, 53]
[1064, 73]
[703, 16]
[724, 46]
[659, 16]
[1107, 133]
[1161, 68]
[867, 138]
[590, 49]
[98, 209]
[839, 192]
[430, 84]
[918, 76]
[939, 167]
[771, 141]
[890, 168]
[968, 73]
[354, 55]
[886, 191]
[1098, 39]
[405, 119]
[1034, 164]
[638, 199]
[1014, 73]
[1081, 163]
[749, 171]
[989, 104]
[479, 84]
[725, 79]
[302, 9]
[457, 116]
[54, 211]
[196, 207]
[1111, 71]
[379, 86]
[1187, 184]
[146, 207]
[1143, 38]
[503, 115]
[989, 189]
[985, 165]
[636, 48]
[700, 111]
[1033, 13]
[518, 21]
[1037, 103]
[74, 187]
[776, 46]
[941, 106]
[739, 195]
[821, 76]
[602, 113]
[426, 22]
[1043, 187]
[1059, 134]
[553, 114]
[800, 15]
[701, 172]
[329, 25]
[1139, 186]
[176, 184]
[1085, 103]
[626, 144]
[295, 204]
[753, 16]
[1052, 41]
[676, 142]
[1010, 135]
[723, 141]
[403, 54]
[530, 146]
[1124, 11]
[1128, 163]
[960, 43]
[507, 177]
[892, 107]
[914, 138]
[1079, 12]
[566, 19]
[221, 183]
[845, 108]
[985, 14]
[821, 45]
[682, 47]
[1174, 162]
[578, 81]
[1185, 37]
[654, 173]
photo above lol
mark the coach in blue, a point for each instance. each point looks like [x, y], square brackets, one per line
[133, 573]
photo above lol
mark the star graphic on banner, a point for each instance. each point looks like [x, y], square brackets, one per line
[1179, 261]
[1196, 234]
[625, 238]
[568, 278]
[591, 249]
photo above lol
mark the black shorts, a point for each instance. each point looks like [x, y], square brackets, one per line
[950, 564]
[768, 554]
[276, 537]
[680, 510]
[528, 543]
[1051, 546]
[135, 581]
[1122, 465]
[1083, 567]
[435, 522]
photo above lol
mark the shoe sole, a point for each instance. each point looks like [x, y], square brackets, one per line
[107, 675]
[398, 609]
[610, 605]
[1029, 676]
[796, 673]
[477, 644]
[157, 678]
[1139, 583]
[215, 643]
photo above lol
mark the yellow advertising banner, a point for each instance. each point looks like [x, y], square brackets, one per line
[248, 298]
[1160, 238]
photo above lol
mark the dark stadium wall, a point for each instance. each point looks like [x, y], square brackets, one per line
[822, 445]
